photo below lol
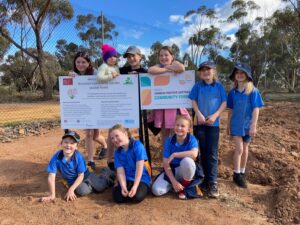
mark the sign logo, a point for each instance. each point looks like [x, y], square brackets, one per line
[128, 81]
[68, 81]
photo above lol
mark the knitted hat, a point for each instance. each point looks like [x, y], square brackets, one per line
[108, 51]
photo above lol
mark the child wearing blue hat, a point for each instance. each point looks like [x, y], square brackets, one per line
[71, 164]
[209, 101]
[244, 101]
[132, 165]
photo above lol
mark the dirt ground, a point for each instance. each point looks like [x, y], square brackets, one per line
[272, 197]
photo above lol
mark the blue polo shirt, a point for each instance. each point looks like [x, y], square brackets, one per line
[68, 169]
[209, 98]
[127, 159]
[172, 146]
[242, 106]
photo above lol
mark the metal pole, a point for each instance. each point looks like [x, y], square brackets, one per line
[102, 26]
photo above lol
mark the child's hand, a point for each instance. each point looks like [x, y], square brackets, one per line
[132, 192]
[211, 119]
[252, 130]
[201, 119]
[177, 186]
[125, 192]
[114, 74]
[73, 74]
[49, 198]
[70, 196]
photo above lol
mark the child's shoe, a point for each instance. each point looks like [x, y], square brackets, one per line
[182, 195]
[91, 166]
[184, 183]
[213, 190]
[239, 180]
[103, 153]
[244, 178]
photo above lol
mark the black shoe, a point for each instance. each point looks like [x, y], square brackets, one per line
[91, 166]
[103, 153]
[239, 180]
[244, 178]
[213, 190]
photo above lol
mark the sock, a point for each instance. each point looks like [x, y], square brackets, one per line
[185, 182]
[243, 170]
[237, 171]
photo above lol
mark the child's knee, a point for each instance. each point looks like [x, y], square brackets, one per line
[99, 184]
[187, 168]
[83, 189]
[158, 190]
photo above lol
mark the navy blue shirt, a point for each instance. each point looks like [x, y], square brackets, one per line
[242, 106]
[209, 98]
[127, 159]
[171, 146]
[68, 169]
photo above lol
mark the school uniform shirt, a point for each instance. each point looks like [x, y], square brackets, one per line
[127, 159]
[171, 146]
[68, 169]
[128, 69]
[242, 106]
[209, 98]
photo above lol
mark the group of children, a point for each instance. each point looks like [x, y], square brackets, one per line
[190, 162]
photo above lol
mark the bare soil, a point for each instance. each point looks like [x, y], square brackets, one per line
[272, 197]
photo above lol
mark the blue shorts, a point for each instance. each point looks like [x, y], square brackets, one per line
[246, 139]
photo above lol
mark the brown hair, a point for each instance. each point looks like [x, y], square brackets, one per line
[85, 55]
[167, 48]
[121, 128]
[184, 117]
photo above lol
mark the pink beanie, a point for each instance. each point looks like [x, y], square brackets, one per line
[108, 51]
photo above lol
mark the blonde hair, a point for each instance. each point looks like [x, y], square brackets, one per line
[186, 118]
[248, 85]
[215, 74]
[121, 128]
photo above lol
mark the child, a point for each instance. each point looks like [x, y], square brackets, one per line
[209, 101]
[180, 153]
[165, 118]
[134, 58]
[82, 66]
[244, 101]
[109, 69]
[131, 163]
[71, 164]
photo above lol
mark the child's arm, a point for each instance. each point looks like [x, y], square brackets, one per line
[137, 179]
[71, 194]
[176, 185]
[228, 120]
[176, 67]
[154, 70]
[199, 115]
[211, 119]
[122, 180]
[255, 114]
[51, 185]
[193, 153]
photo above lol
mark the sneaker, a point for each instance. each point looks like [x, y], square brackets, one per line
[91, 166]
[239, 180]
[103, 153]
[182, 195]
[213, 191]
[244, 178]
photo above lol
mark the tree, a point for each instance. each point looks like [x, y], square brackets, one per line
[153, 57]
[38, 14]
[4, 46]
[90, 32]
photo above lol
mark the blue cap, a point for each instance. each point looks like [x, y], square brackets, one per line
[242, 67]
[209, 64]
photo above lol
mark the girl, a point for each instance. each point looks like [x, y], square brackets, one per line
[209, 101]
[165, 118]
[82, 66]
[180, 153]
[244, 101]
[131, 163]
[109, 69]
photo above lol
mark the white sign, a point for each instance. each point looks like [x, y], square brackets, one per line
[86, 104]
[166, 91]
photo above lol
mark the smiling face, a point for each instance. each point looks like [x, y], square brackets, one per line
[69, 145]
[182, 127]
[240, 76]
[112, 61]
[81, 64]
[134, 60]
[206, 74]
[119, 138]
[165, 57]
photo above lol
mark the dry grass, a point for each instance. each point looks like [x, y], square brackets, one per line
[21, 112]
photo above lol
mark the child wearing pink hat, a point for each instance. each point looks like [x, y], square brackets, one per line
[109, 69]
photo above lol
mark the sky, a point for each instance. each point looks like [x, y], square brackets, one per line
[142, 23]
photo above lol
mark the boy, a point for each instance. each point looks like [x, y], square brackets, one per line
[71, 164]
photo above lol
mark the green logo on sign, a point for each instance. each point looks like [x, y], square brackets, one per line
[128, 81]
